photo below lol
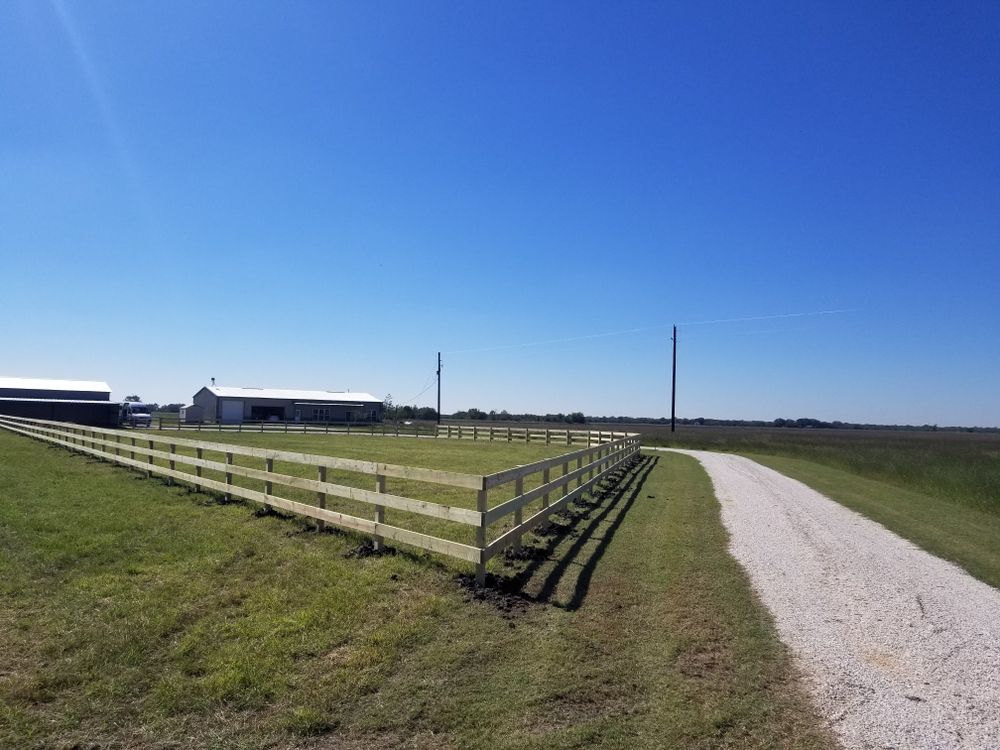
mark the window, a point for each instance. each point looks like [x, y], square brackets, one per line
[321, 414]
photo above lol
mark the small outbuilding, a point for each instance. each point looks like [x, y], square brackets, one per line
[80, 401]
[192, 413]
[231, 404]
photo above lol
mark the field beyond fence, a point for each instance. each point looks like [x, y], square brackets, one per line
[342, 492]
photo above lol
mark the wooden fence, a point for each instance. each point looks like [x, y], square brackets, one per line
[539, 489]
[385, 429]
[545, 435]
[509, 434]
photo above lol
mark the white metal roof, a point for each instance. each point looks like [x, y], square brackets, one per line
[292, 395]
[39, 384]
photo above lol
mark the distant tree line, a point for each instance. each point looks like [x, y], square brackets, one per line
[799, 423]
[576, 417]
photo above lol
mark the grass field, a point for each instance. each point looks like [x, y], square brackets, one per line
[940, 490]
[141, 615]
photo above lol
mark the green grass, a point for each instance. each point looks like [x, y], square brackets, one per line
[140, 615]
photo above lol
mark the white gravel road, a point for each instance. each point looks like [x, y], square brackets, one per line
[899, 648]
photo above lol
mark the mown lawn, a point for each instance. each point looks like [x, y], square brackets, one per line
[140, 615]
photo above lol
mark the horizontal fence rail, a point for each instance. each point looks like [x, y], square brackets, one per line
[538, 489]
[384, 429]
[545, 435]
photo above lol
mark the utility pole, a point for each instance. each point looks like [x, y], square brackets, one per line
[439, 387]
[673, 387]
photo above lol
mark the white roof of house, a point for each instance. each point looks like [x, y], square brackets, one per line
[39, 384]
[292, 395]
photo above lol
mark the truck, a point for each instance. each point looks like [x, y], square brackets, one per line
[136, 414]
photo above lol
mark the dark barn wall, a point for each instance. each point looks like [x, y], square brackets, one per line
[95, 414]
[33, 393]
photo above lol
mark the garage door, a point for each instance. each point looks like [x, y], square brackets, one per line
[232, 411]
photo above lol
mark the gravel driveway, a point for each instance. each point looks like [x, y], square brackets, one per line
[900, 648]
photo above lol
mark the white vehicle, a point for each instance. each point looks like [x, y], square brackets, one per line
[135, 414]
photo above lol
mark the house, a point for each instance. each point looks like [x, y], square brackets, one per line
[81, 401]
[228, 404]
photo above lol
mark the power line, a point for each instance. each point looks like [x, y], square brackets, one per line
[427, 386]
[767, 317]
[644, 329]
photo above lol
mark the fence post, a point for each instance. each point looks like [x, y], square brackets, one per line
[509, 436]
[579, 465]
[118, 440]
[545, 480]
[173, 450]
[379, 512]
[519, 513]
[321, 496]
[132, 453]
[229, 476]
[269, 485]
[565, 486]
[481, 503]
[199, 454]
[149, 473]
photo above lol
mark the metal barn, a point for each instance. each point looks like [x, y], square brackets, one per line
[230, 404]
[80, 401]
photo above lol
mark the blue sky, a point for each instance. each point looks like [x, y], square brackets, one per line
[311, 194]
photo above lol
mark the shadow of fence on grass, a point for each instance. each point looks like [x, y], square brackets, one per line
[570, 554]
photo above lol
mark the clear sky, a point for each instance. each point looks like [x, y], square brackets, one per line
[321, 195]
